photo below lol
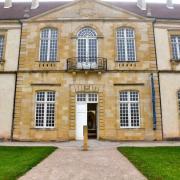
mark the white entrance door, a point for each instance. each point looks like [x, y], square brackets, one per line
[82, 100]
[81, 119]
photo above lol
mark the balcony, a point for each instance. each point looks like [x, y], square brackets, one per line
[87, 64]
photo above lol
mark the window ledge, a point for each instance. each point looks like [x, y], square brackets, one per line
[2, 61]
[47, 61]
[126, 61]
[175, 61]
[44, 129]
[133, 128]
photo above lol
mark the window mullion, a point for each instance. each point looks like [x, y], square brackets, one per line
[125, 44]
[45, 109]
[129, 110]
[49, 41]
[87, 48]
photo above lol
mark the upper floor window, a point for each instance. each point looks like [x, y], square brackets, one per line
[175, 40]
[179, 100]
[45, 109]
[48, 44]
[1, 47]
[87, 45]
[126, 44]
[129, 109]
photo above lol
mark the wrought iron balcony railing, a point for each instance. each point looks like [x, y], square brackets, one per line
[87, 63]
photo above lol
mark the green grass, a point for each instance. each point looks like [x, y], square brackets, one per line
[15, 161]
[156, 163]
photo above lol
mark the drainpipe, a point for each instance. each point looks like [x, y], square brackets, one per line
[154, 21]
[14, 103]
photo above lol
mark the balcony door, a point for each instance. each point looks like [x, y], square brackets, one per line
[87, 49]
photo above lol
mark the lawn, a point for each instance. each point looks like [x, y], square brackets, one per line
[156, 163]
[15, 161]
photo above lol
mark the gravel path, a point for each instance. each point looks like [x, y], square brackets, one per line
[74, 164]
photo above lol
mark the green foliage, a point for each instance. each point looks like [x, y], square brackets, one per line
[15, 161]
[156, 163]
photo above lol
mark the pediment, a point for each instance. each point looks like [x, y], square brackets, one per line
[87, 9]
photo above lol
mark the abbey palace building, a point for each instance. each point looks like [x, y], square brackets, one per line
[113, 66]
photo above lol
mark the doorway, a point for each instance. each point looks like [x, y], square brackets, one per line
[86, 114]
[92, 120]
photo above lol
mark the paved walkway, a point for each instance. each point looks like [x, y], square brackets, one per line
[71, 164]
[101, 162]
[94, 144]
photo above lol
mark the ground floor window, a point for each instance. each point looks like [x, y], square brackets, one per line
[129, 109]
[45, 109]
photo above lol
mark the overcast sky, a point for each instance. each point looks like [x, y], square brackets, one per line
[162, 1]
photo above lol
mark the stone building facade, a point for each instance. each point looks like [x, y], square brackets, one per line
[90, 63]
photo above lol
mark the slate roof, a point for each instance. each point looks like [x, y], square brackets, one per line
[18, 10]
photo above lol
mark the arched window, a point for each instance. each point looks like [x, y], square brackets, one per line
[87, 45]
[126, 44]
[48, 44]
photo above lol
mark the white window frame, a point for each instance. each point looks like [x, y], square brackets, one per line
[177, 46]
[87, 38]
[125, 45]
[86, 96]
[49, 43]
[45, 102]
[129, 102]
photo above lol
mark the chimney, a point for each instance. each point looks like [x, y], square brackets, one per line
[149, 13]
[169, 4]
[141, 4]
[8, 4]
[35, 4]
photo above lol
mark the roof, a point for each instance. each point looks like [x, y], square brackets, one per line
[18, 10]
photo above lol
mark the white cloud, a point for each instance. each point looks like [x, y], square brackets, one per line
[154, 1]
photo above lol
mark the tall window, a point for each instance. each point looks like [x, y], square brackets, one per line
[179, 100]
[87, 45]
[126, 44]
[1, 47]
[45, 109]
[48, 47]
[175, 40]
[129, 109]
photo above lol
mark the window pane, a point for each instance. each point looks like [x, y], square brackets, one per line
[1, 47]
[92, 50]
[50, 115]
[51, 96]
[92, 97]
[81, 50]
[81, 97]
[124, 115]
[134, 114]
[40, 96]
[39, 115]
[44, 50]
